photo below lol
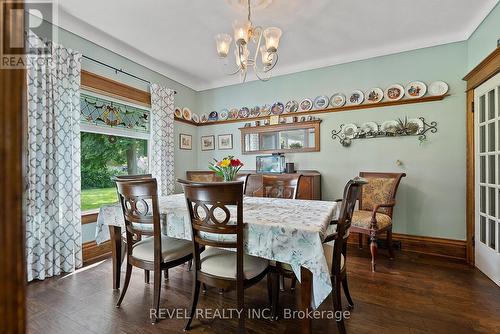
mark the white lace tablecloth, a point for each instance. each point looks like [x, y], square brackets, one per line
[284, 230]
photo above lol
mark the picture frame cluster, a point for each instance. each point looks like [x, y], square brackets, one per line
[207, 143]
[224, 142]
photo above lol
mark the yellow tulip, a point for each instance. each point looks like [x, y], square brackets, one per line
[225, 163]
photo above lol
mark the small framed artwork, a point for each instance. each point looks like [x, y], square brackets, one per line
[207, 143]
[185, 142]
[225, 142]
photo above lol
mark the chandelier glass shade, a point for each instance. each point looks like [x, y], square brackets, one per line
[255, 48]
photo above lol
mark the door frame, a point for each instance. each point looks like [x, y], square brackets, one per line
[485, 70]
[13, 87]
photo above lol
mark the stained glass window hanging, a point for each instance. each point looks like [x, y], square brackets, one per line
[101, 112]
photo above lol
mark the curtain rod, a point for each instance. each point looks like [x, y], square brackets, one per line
[119, 70]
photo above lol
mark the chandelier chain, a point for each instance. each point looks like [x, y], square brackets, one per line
[249, 11]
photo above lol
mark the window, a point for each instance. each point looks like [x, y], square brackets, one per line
[114, 141]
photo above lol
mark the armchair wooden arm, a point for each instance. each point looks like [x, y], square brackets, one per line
[390, 204]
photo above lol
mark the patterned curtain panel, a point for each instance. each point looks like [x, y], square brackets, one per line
[53, 216]
[162, 138]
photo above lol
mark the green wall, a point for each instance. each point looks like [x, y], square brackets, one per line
[431, 200]
[484, 40]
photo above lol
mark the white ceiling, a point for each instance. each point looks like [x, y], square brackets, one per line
[176, 37]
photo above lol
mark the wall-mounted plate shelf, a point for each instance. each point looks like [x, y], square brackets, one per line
[329, 110]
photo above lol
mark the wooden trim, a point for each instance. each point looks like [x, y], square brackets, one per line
[182, 120]
[92, 252]
[484, 70]
[89, 218]
[470, 177]
[12, 221]
[445, 248]
[489, 67]
[102, 85]
[330, 110]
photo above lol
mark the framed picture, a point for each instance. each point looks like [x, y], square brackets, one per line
[225, 142]
[207, 143]
[185, 142]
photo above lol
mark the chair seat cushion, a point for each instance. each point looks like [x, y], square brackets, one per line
[222, 263]
[172, 249]
[363, 218]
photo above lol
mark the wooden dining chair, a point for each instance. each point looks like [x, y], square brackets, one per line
[139, 201]
[278, 187]
[336, 255]
[139, 235]
[244, 179]
[209, 207]
[376, 206]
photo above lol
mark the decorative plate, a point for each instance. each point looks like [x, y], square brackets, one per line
[438, 88]
[204, 118]
[321, 102]
[415, 89]
[223, 114]
[356, 97]
[186, 113]
[350, 130]
[305, 105]
[389, 127]
[255, 111]
[291, 106]
[369, 128]
[244, 112]
[195, 118]
[337, 100]
[394, 92]
[178, 112]
[233, 113]
[414, 126]
[213, 116]
[278, 108]
[265, 110]
[374, 95]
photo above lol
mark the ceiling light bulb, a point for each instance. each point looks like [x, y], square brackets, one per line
[241, 30]
[223, 44]
[272, 36]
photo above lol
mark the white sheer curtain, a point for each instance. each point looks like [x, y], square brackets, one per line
[53, 214]
[162, 138]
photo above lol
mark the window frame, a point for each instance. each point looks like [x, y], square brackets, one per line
[90, 216]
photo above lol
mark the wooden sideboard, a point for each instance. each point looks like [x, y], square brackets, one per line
[309, 186]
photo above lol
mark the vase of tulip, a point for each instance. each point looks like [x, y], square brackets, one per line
[226, 168]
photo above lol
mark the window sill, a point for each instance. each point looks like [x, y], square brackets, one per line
[90, 216]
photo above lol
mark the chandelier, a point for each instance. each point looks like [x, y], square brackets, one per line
[248, 44]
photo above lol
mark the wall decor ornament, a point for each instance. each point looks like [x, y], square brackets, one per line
[392, 128]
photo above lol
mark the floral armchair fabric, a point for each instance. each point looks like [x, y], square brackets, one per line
[379, 190]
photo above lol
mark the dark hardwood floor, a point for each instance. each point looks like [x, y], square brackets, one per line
[414, 294]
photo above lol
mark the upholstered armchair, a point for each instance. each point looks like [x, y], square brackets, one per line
[376, 205]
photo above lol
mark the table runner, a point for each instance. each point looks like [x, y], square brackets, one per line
[284, 230]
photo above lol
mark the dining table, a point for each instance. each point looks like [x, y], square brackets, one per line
[283, 230]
